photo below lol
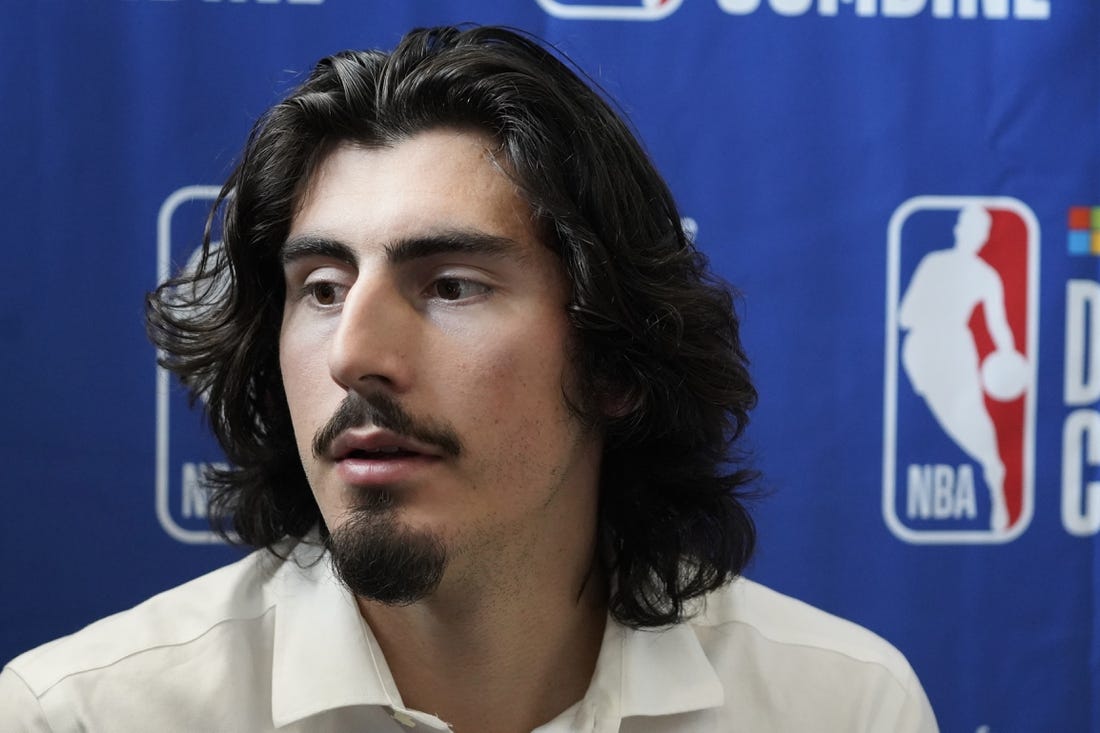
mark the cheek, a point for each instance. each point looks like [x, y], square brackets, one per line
[294, 370]
[303, 353]
[305, 377]
[512, 389]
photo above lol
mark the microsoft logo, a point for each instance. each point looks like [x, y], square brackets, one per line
[1084, 230]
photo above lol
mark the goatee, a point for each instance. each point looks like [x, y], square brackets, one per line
[380, 559]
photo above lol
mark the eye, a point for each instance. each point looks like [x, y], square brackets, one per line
[454, 289]
[323, 293]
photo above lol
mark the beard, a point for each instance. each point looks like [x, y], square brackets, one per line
[373, 553]
[380, 559]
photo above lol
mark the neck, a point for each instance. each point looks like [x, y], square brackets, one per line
[500, 656]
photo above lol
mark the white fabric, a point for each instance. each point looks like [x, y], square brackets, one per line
[266, 645]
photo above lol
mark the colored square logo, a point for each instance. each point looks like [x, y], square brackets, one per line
[1080, 242]
[961, 368]
[1083, 237]
[1080, 217]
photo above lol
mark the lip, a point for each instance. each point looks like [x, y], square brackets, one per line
[383, 471]
[358, 469]
[350, 441]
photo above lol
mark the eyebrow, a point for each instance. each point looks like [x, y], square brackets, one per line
[450, 241]
[447, 241]
[309, 245]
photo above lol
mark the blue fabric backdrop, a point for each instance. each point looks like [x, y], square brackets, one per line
[822, 150]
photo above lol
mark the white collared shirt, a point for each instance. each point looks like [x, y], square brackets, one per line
[266, 645]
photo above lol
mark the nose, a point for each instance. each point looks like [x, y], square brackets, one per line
[371, 344]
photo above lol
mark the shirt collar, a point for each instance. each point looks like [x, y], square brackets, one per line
[324, 655]
[665, 671]
[648, 672]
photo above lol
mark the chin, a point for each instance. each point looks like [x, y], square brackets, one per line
[378, 556]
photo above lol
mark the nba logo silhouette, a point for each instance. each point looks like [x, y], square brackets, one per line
[184, 449]
[610, 9]
[961, 366]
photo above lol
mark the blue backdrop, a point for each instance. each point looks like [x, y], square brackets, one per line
[824, 152]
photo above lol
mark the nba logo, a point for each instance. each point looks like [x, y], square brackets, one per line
[610, 9]
[961, 366]
[184, 447]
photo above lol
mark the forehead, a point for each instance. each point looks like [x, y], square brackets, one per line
[442, 179]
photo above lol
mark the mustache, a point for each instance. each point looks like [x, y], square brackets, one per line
[383, 411]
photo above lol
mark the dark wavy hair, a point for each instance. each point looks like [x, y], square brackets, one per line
[656, 332]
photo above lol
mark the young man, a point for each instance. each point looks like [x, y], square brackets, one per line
[479, 392]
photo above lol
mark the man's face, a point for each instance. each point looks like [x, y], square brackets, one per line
[425, 356]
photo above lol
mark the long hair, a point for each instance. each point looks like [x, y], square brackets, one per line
[656, 332]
